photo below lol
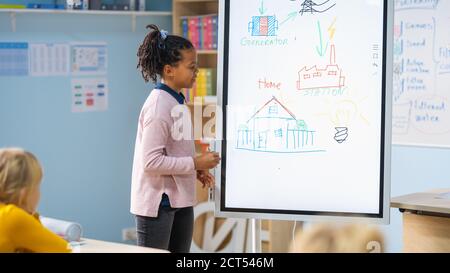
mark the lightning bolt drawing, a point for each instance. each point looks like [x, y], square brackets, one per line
[332, 29]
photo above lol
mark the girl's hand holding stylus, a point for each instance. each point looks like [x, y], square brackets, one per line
[206, 161]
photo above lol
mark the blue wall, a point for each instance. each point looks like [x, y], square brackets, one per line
[87, 157]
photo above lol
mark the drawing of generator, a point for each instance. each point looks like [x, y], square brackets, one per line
[263, 26]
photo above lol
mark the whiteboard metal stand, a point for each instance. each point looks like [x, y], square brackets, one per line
[254, 230]
[255, 224]
[255, 233]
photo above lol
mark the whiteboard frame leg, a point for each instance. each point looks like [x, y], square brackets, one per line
[255, 235]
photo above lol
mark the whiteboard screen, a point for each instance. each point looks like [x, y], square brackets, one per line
[422, 73]
[305, 127]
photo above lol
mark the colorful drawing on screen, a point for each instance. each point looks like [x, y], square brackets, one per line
[275, 129]
[330, 76]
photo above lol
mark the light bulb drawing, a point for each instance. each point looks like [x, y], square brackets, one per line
[343, 116]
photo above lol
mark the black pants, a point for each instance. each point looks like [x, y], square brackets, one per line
[171, 230]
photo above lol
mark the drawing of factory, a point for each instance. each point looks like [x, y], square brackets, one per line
[328, 77]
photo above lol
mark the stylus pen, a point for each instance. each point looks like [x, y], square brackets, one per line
[210, 190]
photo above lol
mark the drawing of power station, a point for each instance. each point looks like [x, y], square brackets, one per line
[263, 26]
[273, 128]
[328, 77]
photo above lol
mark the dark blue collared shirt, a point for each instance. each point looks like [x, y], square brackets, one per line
[178, 96]
[165, 202]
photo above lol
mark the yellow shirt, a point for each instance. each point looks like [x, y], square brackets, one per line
[21, 231]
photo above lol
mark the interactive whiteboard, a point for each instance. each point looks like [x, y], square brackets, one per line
[306, 91]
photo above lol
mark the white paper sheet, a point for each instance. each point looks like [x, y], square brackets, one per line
[89, 94]
[89, 58]
[48, 59]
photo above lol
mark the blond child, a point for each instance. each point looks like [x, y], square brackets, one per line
[333, 238]
[20, 228]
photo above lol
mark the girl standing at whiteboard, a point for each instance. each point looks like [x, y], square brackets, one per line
[165, 168]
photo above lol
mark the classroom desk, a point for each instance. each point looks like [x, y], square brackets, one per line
[95, 246]
[426, 221]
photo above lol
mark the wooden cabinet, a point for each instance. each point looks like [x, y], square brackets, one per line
[206, 58]
[426, 220]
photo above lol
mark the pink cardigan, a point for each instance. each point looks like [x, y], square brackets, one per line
[161, 164]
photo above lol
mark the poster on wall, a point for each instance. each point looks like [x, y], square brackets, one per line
[13, 59]
[49, 59]
[89, 58]
[421, 116]
[89, 95]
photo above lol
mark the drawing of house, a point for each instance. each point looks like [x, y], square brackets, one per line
[328, 77]
[273, 128]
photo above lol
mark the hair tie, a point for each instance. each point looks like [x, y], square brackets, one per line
[163, 34]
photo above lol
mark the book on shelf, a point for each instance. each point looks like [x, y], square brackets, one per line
[205, 85]
[200, 30]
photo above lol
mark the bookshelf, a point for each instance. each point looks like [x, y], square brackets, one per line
[207, 57]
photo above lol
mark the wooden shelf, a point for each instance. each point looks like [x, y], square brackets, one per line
[206, 58]
[191, 8]
[208, 100]
[89, 12]
[132, 14]
[207, 51]
[193, 1]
